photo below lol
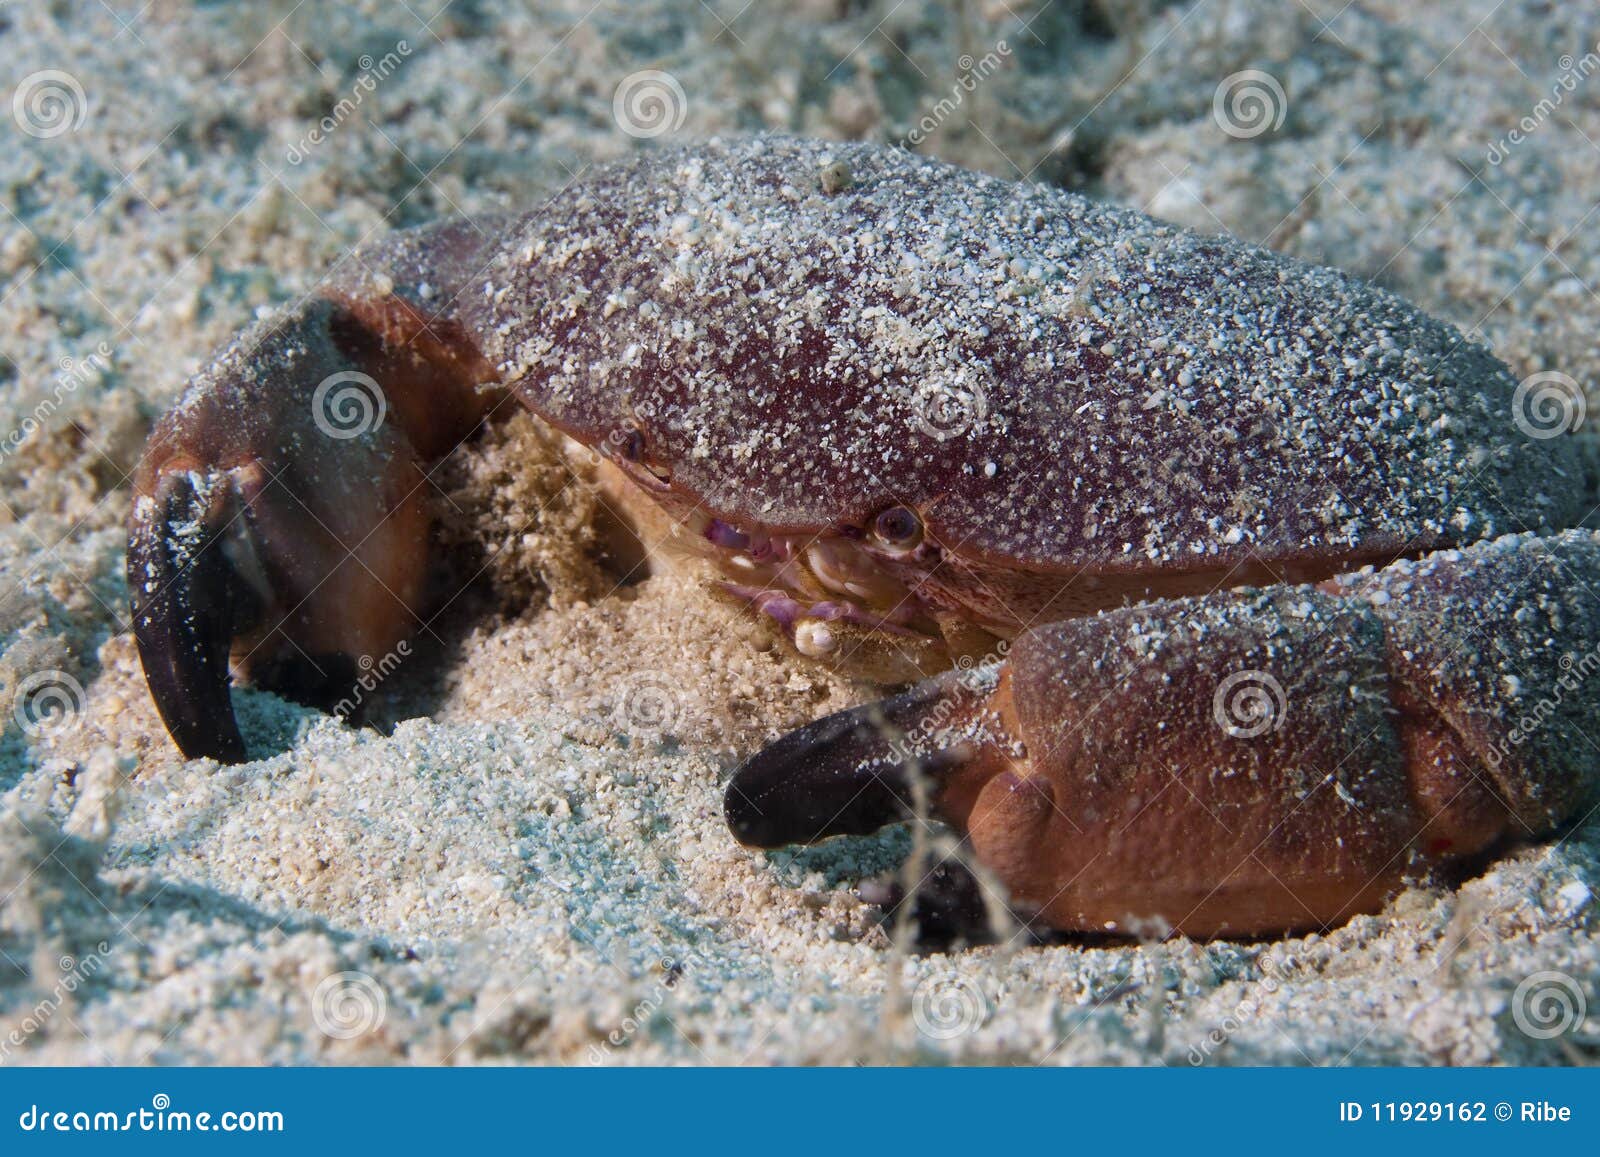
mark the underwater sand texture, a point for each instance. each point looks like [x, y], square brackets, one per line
[531, 865]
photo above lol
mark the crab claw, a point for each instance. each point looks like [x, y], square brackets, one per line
[1239, 763]
[258, 532]
[280, 525]
[185, 604]
[926, 752]
[852, 772]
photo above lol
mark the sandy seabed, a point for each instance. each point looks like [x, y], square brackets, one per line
[527, 860]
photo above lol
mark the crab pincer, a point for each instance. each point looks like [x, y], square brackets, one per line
[280, 520]
[1252, 596]
[1234, 764]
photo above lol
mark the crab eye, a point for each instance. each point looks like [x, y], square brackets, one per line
[899, 527]
[631, 445]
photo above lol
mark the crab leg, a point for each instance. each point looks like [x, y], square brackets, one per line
[1242, 763]
[279, 513]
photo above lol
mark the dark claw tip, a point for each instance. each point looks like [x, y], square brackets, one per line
[184, 599]
[843, 775]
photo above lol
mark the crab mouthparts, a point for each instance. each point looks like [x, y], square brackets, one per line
[810, 584]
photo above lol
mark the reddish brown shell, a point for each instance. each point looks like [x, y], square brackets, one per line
[1058, 384]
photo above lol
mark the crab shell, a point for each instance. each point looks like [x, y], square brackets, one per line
[1081, 405]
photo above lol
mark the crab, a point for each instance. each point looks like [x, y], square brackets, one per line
[1230, 591]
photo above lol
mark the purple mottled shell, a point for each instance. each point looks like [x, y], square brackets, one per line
[1058, 385]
